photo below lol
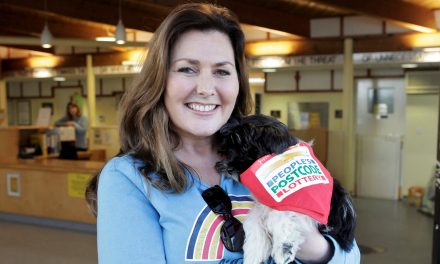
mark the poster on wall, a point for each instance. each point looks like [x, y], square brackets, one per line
[24, 112]
[307, 115]
[43, 118]
[48, 105]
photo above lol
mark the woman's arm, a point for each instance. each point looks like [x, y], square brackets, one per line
[128, 225]
[340, 256]
[315, 248]
[81, 124]
[324, 249]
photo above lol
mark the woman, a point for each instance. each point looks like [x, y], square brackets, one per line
[150, 206]
[74, 118]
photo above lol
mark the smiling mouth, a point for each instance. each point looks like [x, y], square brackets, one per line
[201, 107]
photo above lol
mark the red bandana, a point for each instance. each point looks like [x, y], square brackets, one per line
[294, 180]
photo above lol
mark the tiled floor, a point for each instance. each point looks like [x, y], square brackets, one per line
[403, 234]
[31, 244]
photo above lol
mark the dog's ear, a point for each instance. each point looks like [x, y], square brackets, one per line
[224, 138]
[311, 142]
[234, 141]
[342, 219]
[273, 135]
[228, 128]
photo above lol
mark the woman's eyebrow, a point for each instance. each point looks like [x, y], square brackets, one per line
[190, 61]
[196, 62]
[223, 63]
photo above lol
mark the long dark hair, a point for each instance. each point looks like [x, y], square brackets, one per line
[145, 128]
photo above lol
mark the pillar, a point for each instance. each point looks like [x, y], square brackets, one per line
[349, 114]
[91, 98]
[3, 104]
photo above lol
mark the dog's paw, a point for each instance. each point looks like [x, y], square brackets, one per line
[284, 253]
[257, 245]
[254, 256]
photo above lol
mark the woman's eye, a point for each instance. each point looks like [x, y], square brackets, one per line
[186, 70]
[221, 72]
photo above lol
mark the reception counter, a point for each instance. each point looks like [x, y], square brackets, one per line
[47, 188]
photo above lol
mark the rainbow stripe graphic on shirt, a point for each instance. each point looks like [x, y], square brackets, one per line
[204, 243]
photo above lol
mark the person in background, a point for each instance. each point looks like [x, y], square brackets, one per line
[74, 118]
[148, 199]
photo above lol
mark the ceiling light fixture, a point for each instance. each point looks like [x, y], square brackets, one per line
[105, 39]
[59, 79]
[409, 65]
[120, 29]
[46, 36]
[256, 80]
[41, 73]
[272, 62]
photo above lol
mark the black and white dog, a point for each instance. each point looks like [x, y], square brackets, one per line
[271, 232]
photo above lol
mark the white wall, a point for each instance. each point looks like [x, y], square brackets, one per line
[104, 135]
[106, 107]
[280, 101]
[419, 148]
[415, 119]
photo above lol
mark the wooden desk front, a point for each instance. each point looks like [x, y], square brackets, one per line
[49, 188]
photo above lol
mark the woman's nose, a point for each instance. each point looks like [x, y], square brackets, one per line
[206, 85]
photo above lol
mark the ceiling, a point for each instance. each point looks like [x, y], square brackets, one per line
[262, 19]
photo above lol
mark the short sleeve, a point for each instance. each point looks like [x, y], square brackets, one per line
[128, 225]
[340, 256]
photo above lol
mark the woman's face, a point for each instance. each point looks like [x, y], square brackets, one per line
[202, 84]
[73, 110]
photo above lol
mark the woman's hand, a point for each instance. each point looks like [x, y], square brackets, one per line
[315, 248]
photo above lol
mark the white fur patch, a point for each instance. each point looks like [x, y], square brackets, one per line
[274, 233]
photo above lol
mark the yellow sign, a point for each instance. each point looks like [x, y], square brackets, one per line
[314, 120]
[77, 183]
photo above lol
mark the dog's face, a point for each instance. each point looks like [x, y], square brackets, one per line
[241, 142]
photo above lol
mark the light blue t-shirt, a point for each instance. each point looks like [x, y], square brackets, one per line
[80, 123]
[138, 223]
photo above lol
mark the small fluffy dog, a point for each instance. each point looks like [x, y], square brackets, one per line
[271, 232]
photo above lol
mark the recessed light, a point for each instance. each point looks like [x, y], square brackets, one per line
[105, 39]
[272, 62]
[409, 65]
[42, 73]
[256, 80]
[59, 79]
